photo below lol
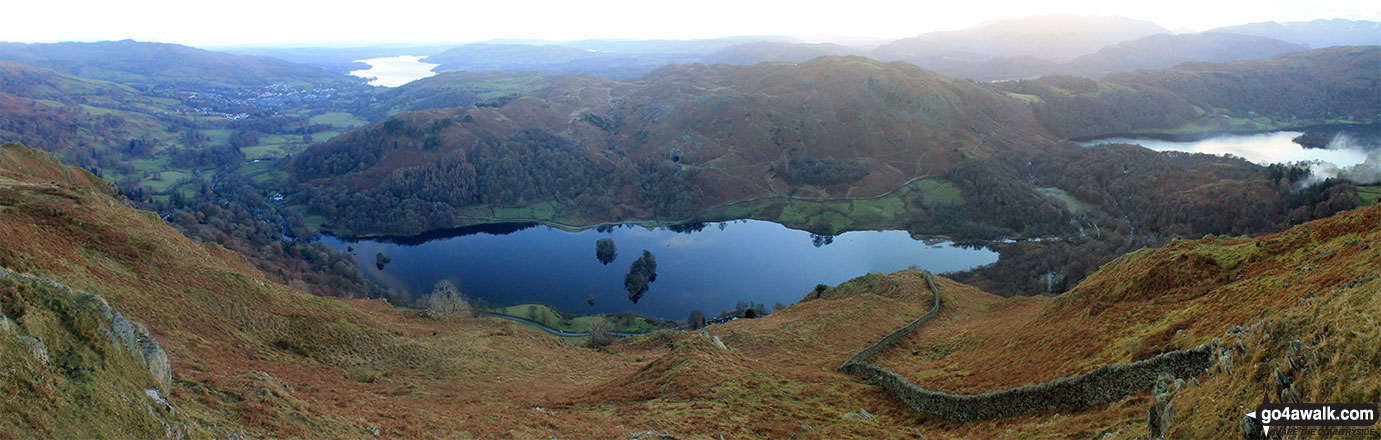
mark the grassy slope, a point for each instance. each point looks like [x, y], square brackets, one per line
[1144, 303]
[272, 361]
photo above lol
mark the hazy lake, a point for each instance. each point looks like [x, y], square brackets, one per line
[710, 269]
[1262, 148]
[395, 71]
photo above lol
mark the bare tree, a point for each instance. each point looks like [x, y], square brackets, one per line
[446, 300]
[601, 333]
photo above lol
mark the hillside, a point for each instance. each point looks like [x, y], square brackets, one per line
[248, 356]
[664, 146]
[1296, 89]
[252, 357]
[162, 65]
[686, 141]
[1161, 51]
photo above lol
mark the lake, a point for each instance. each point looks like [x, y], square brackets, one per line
[1262, 148]
[395, 71]
[709, 269]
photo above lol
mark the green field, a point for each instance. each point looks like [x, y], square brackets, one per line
[1024, 98]
[337, 120]
[262, 172]
[844, 215]
[1369, 194]
[1074, 205]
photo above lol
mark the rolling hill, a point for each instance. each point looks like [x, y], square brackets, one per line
[165, 65]
[1150, 52]
[1294, 89]
[673, 144]
[1316, 34]
[1161, 51]
[669, 144]
[618, 59]
[1049, 37]
[769, 51]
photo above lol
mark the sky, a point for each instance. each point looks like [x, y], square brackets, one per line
[355, 22]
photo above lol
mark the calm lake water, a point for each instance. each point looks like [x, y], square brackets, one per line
[1262, 148]
[710, 269]
[395, 71]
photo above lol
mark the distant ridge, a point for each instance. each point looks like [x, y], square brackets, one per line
[160, 64]
[1317, 34]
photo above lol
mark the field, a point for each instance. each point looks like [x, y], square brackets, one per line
[337, 120]
[1369, 194]
[836, 215]
[1074, 205]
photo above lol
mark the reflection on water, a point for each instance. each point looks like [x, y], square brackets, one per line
[1262, 148]
[705, 268]
[395, 71]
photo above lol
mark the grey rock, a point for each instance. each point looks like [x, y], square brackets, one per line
[862, 414]
[158, 398]
[36, 347]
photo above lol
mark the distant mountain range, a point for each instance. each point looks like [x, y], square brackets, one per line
[1005, 49]
[1316, 34]
[160, 64]
[607, 58]
[1050, 37]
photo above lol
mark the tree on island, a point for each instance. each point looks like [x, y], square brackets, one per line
[642, 272]
[380, 260]
[590, 299]
[605, 251]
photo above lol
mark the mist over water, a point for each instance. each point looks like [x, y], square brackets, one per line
[1262, 148]
[395, 71]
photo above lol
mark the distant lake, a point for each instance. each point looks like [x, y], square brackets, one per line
[1262, 148]
[709, 269]
[395, 71]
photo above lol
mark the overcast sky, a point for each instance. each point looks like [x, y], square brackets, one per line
[350, 22]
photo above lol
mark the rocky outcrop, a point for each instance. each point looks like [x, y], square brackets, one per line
[1105, 384]
[122, 333]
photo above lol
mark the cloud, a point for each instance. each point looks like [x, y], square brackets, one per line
[1367, 172]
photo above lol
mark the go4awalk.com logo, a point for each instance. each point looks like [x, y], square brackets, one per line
[1324, 419]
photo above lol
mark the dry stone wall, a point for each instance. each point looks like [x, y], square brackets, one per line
[1106, 384]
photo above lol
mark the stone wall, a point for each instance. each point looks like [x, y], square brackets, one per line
[1106, 384]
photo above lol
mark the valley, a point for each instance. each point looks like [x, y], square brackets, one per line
[1054, 226]
[397, 371]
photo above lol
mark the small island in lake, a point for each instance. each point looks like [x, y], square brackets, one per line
[642, 272]
[605, 251]
[1313, 139]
